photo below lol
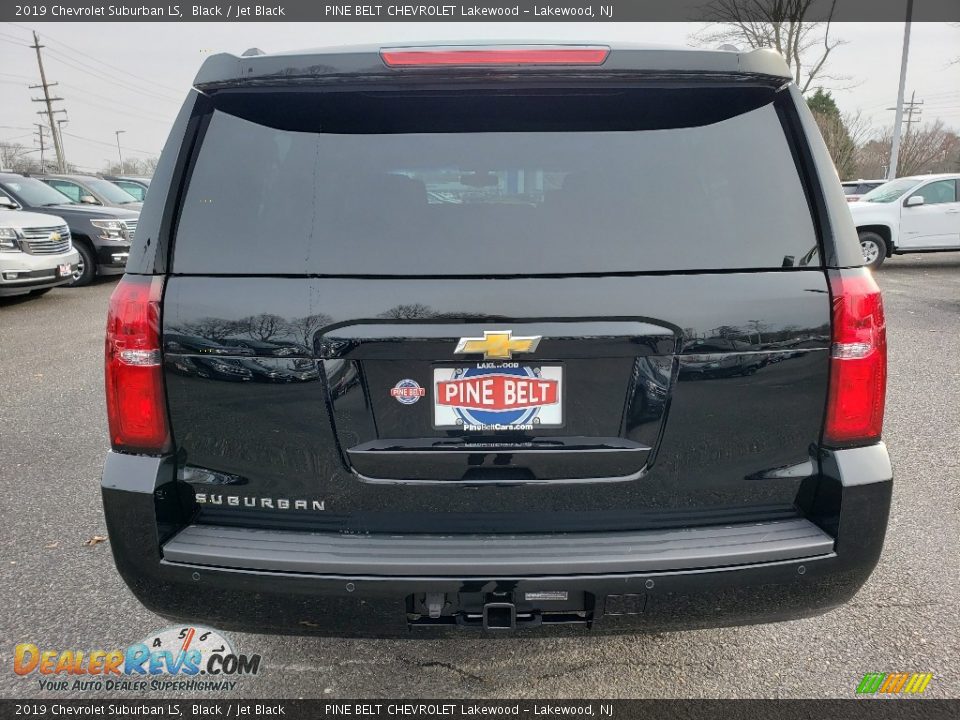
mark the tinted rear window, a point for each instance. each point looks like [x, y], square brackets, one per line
[574, 197]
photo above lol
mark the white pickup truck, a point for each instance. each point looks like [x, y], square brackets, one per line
[907, 215]
[36, 253]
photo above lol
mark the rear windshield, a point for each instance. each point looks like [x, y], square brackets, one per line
[585, 194]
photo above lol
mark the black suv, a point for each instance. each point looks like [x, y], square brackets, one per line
[569, 336]
[101, 235]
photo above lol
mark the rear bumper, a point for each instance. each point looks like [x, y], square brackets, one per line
[285, 582]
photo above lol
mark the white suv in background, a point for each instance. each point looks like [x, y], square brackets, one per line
[36, 253]
[909, 214]
[856, 189]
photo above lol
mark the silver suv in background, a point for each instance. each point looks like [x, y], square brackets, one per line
[36, 253]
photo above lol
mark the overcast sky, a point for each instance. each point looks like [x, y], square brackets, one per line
[133, 76]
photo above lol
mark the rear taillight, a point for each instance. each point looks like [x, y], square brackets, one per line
[858, 361]
[465, 56]
[134, 376]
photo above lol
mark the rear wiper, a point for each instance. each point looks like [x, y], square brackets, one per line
[805, 260]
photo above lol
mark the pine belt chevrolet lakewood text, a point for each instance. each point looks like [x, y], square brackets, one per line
[512, 338]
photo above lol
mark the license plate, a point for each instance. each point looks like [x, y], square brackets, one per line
[64, 270]
[498, 396]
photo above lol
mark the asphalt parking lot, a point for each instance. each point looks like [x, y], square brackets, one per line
[58, 592]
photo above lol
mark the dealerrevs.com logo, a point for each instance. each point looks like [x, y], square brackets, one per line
[189, 659]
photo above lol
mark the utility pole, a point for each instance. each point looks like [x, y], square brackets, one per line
[40, 128]
[119, 154]
[898, 120]
[49, 102]
[912, 107]
[63, 149]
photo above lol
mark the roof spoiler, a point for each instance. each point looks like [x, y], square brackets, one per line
[370, 60]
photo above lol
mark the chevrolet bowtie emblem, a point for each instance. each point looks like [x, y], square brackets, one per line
[497, 345]
[55, 237]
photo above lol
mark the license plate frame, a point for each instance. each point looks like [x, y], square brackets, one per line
[64, 270]
[530, 382]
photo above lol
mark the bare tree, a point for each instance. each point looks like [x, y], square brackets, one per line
[211, 328]
[264, 326]
[729, 332]
[872, 158]
[132, 166]
[16, 157]
[843, 134]
[306, 327]
[777, 24]
[413, 311]
[930, 149]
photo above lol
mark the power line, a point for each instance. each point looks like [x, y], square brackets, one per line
[63, 55]
[96, 72]
[103, 62]
[17, 137]
[132, 112]
[111, 145]
[944, 92]
[176, 92]
[102, 75]
[6, 39]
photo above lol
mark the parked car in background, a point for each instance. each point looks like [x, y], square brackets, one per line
[909, 215]
[136, 186]
[855, 189]
[91, 190]
[464, 404]
[36, 254]
[101, 235]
